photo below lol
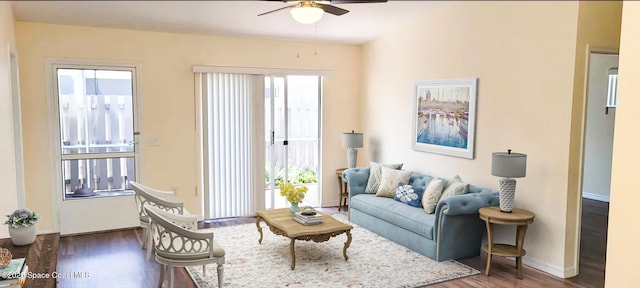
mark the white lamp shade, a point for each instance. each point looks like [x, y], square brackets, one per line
[509, 165]
[306, 15]
[352, 140]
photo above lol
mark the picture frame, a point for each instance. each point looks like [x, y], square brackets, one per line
[444, 116]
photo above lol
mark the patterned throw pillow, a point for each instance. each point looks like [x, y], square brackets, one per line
[390, 180]
[375, 175]
[455, 187]
[408, 194]
[432, 195]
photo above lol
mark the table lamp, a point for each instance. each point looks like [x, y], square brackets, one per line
[351, 141]
[508, 166]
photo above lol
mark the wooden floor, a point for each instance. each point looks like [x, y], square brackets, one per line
[593, 243]
[115, 259]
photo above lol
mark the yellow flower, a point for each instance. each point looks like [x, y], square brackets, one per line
[292, 193]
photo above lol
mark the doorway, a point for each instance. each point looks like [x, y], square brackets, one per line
[96, 152]
[596, 165]
[282, 109]
[17, 127]
[292, 136]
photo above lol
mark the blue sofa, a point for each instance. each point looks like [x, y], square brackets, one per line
[454, 231]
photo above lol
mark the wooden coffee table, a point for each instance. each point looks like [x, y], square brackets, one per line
[280, 222]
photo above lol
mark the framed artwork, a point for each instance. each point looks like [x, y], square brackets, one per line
[444, 116]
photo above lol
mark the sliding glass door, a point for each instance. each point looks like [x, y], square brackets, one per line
[257, 132]
[292, 136]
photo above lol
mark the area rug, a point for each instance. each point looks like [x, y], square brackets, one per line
[373, 262]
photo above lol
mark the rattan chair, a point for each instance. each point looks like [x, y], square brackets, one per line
[178, 244]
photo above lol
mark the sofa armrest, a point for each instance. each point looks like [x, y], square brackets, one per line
[465, 204]
[356, 179]
[458, 227]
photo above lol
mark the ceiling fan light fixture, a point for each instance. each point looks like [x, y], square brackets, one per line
[306, 14]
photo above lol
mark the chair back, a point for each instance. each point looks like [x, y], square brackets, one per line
[144, 197]
[174, 242]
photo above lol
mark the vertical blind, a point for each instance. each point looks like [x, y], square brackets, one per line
[227, 129]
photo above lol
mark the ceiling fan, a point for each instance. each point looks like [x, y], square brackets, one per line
[309, 12]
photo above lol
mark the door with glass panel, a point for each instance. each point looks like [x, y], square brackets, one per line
[292, 136]
[96, 151]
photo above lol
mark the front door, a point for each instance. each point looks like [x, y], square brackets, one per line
[96, 152]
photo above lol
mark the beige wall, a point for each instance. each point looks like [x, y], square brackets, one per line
[524, 55]
[624, 232]
[167, 100]
[598, 28]
[8, 193]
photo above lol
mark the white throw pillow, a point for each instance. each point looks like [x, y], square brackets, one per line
[375, 175]
[390, 180]
[455, 186]
[432, 195]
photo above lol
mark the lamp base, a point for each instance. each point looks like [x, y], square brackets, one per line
[352, 157]
[507, 194]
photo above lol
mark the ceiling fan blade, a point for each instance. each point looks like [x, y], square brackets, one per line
[332, 9]
[272, 11]
[357, 1]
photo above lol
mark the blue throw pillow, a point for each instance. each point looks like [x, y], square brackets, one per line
[409, 195]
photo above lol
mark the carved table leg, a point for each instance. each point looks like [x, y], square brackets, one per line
[293, 254]
[346, 245]
[259, 228]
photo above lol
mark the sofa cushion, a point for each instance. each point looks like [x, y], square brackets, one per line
[390, 180]
[432, 195]
[410, 195]
[455, 186]
[375, 175]
[411, 218]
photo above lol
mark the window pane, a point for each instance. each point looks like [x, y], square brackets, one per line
[98, 175]
[95, 110]
[612, 89]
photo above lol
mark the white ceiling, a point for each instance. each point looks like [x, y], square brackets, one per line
[363, 23]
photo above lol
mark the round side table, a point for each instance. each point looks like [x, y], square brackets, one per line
[519, 217]
[344, 194]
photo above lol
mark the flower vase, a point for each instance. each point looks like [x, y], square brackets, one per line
[23, 235]
[294, 208]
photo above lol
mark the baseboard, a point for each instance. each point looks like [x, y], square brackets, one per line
[46, 231]
[549, 268]
[594, 196]
[330, 203]
[100, 231]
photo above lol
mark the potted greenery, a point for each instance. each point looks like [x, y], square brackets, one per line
[23, 226]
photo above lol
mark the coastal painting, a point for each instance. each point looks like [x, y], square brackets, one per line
[444, 114]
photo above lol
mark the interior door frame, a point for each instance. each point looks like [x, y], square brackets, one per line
[16, 108]
[598, 50]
